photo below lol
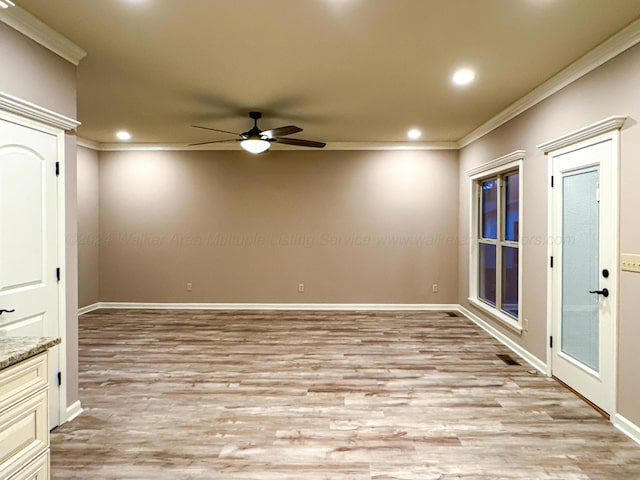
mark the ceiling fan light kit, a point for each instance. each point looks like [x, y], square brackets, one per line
[258, 141]
[255, 145]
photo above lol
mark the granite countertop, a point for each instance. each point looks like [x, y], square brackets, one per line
[16, 349]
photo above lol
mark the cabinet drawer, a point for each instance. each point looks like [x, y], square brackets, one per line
[21, 380]
[36, 470]
[24, 433]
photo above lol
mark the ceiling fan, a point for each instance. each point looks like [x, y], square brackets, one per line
[258, 141]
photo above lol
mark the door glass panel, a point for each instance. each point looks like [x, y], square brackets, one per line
[490, 209]
[580, 267]
[487, 272]
[510, 280]
[512, 207]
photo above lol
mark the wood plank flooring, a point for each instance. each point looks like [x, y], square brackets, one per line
[321, 395]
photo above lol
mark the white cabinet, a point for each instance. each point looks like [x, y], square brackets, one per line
[24, 426]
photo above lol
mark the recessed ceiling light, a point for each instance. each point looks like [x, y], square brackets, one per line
[414, 134]
[464, 76]
[6, 4]
[123, 135]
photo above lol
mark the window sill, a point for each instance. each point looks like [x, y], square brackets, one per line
[497, 315]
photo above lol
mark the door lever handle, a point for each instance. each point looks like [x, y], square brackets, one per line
[604, 292]
[7, 311]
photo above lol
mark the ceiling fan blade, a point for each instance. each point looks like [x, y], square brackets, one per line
[215, 129]
[215, 141]
[281, 131]
[300, 143]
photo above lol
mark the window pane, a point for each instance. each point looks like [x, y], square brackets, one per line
[510, 280]
[489, 211]
[512, 207]
[487, 272]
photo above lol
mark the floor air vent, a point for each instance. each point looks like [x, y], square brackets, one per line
[508, 359]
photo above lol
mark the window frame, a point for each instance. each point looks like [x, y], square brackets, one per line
[498, 168]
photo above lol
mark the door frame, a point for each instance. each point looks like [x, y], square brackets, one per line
[29, 115]
[604, 130]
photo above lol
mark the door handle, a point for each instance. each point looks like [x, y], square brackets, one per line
[604, 292]
[7, 311]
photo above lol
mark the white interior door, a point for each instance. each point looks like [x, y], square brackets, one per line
[584, 290]
[29, 240]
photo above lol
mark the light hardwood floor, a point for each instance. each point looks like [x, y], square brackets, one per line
[321, 395]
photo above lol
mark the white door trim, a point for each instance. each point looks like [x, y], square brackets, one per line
[37, 118]
[605, 130]
[587, 133]
[30, 111]
[62, 285]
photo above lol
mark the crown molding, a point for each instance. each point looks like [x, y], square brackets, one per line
[615, 45]
[392, 146]
[22, 21]
[590, 131]
[338, 146]
[32, 111]
[162, 147]
[86, 143]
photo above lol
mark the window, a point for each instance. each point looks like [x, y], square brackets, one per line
[495, 251]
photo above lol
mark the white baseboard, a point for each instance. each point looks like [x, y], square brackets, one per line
[502, 338]
[89, 308]
[73, 411]
[627, 427]
[274, 306]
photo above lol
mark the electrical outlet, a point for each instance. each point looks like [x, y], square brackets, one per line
[434, 288]
[301, 287]
[189, 287]
[525, 324]
[630, 262]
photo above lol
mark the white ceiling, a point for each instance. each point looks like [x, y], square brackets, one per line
[344, 70]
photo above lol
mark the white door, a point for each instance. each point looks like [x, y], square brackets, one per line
[583, 278]
[29, 240]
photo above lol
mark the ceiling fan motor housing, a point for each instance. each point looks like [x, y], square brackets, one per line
[255, 131]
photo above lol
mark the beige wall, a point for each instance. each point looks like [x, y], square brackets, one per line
[33, 73]
[36, 74]
[88, 232]
[354, 227]
[612, 89]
